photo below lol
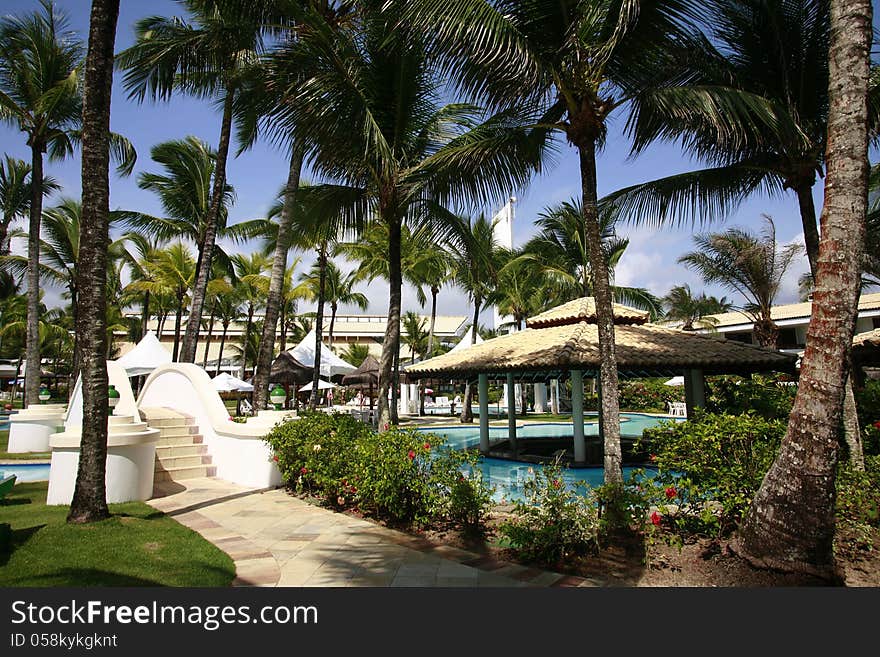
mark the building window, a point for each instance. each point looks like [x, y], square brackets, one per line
[788, 339]
[876, 321]
[742, 336]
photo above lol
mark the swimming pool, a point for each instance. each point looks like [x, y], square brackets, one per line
[508, 476]
[25, 471]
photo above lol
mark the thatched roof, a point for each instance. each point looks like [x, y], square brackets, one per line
[367, 373]
[584, 310]
[866, 347]
[642, 350]
[287, 369]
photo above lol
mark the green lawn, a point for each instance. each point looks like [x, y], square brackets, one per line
[6, 456]
[137, 546]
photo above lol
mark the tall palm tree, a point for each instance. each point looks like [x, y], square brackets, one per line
[209, 56]
[576, 61]
[89, 501]
[693, 311]
[15, 195]
[253, 284]
[561, 254]
[751, 265]
[340, 290]
[184, 191]
[368, 104]
[228, 310]
[429, 267]
[218, 287]
[172, 272]
[40, 63]
[355, 353]
[791, 522]
[476, 261]
[142, 250]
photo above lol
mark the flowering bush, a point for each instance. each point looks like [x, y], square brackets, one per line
[463, 497]
[554, 521]
[767, 396]
[709, 468]
[648, 395]
[858, 502]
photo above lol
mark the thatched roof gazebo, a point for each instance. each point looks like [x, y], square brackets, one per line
[365, 377]
[288, 370]
[866, 348]
[564, 342]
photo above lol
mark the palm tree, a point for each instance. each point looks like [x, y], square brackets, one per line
[183, 189]
[144, 248]
[366, 101]
[15, 195]
[253, 284]
[415, 335]
[210, 57]
[89, 501]
[576, 61]
[228, 310]
[791, 522]
[218, 287]
[752, 265]
[355, 353]
[476, 261]
[39, 93]
[693, 311]
[429, 265]
[340, 290]
[172, 272]
[561, 254]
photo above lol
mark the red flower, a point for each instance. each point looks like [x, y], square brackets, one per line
[275, 458]
[877, 424]
[671, 492]
[652, 457]
[303, 470]
[556, 483]
[656, 518]
[411, 455]
[352, 489]
[386, 425]
[427, 446]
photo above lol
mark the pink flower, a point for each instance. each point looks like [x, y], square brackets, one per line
[303, 470]
[275, 458]
[652, 457]
[230, 419]
[671, 492]
[556, 483]
[427, 446]
[411, 455]
[386, 425]
[656, 519]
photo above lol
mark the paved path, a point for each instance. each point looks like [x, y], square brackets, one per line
[276, 539]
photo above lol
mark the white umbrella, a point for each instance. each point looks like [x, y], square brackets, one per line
[146, 356]
[225, 382]
[322, 385]
[675, 381]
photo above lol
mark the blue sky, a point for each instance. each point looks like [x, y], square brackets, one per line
[257, 175]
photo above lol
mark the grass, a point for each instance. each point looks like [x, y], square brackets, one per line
[137, 546]
[19, 456]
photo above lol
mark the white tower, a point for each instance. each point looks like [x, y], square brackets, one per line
[502, 233]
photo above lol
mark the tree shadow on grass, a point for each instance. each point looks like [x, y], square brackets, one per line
[14, 501]
[17, 538]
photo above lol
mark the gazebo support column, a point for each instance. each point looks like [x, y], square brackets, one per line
[483, 392]
[511, 414]
[540, 398]
[554, 396]
[694, 390]
[577, 415]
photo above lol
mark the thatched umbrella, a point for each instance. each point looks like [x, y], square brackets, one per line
[288, 371]
[365, 377]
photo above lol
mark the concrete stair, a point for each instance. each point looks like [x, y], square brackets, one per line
[180, 453]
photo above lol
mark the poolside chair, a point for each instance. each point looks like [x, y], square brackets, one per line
[6, 485]
[677, 409]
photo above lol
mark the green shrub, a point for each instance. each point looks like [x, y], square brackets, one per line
[463, 497]
[868, 405]
[314, 453]
[710, 467]
[648, 395]
[391, 475]
[554, 521]
[767, 396]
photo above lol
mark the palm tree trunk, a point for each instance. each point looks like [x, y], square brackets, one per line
[395, 385]
[89, 496]
[145, 314]
[210, 332]
[391, 342]
[333, 308]
[434, 292]
[161, 324]
[790, 525]
[222, 344]
[177, 320]
[467, 413]
[4, 232]
[207, 247]
[274, 302]
[247, 339]
[808, 219]
[32, 340]
[610, 409]
[319, 323]
[282, 338]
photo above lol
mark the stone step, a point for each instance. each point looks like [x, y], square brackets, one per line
[172, 451]
[178, 441]
[169, 463]
[176, 474]
[167, 432]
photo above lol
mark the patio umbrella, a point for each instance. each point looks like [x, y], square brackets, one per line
[225, 382]
[288, 371]
[365, 377]
[322, 385]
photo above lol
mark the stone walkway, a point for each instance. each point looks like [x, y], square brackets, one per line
[276, 539]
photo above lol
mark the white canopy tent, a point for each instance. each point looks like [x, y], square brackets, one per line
[675, 381]
[225, 382]
[146, 356]
[331, 364]
[322, 385]
[466, 341]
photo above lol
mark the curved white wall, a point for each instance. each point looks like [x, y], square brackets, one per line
[237, 450]
[129, 474]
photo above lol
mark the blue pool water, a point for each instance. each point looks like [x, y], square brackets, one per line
[25, 471]
[508, 477]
